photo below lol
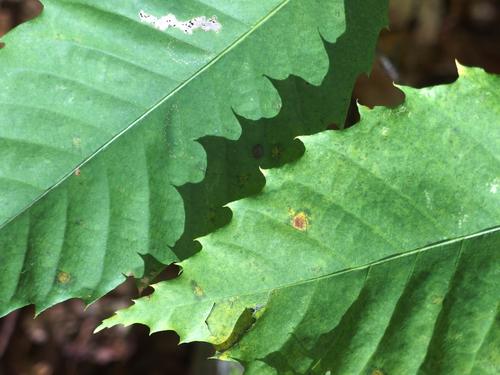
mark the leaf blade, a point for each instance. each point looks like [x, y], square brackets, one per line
[84, 248]
[360, 198]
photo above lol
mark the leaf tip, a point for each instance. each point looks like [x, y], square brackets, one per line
[461, 69]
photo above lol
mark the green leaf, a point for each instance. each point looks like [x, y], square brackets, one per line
[96, 134]
[105, 69]
[336, 258]
[234, 167]
[416, 312]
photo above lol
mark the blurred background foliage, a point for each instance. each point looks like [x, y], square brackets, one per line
[420, 49]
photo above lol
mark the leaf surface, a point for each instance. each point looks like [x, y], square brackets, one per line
[234, 166]
[100, 119]
[335, 259]
[105, 69]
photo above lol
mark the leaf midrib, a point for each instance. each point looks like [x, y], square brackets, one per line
[150, 110]
[357, 268]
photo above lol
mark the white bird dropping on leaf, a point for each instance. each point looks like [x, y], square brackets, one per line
[170, 20]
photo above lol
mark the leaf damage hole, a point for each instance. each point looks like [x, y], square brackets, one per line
[171, 21]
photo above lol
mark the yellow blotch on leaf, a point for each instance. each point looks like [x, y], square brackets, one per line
[77, 142]
[63, 277]
[197, 290]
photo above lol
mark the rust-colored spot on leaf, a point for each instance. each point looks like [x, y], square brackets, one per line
[63, 277]
[299, 220]
[78, 172]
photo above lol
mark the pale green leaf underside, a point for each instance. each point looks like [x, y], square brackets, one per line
[316, 254]
[105, 69]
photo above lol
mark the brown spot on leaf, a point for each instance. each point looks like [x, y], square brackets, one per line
[300, 220]
[258, 151]
[78, 172]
